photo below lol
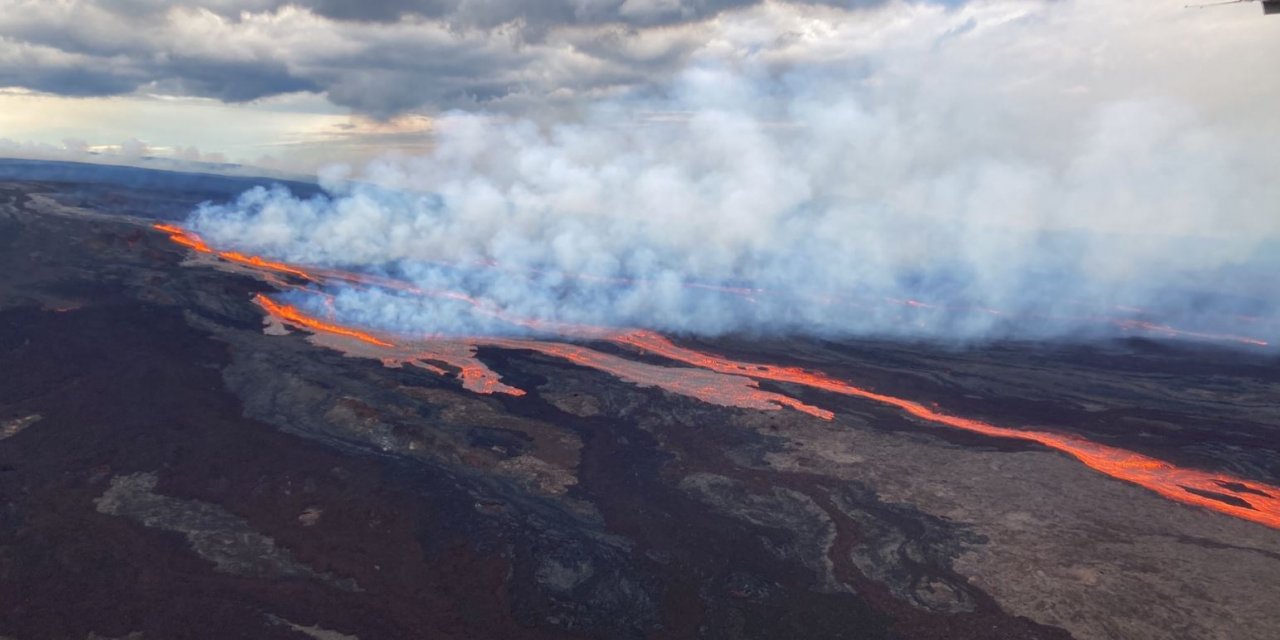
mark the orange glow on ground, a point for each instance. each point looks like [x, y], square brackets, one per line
[1151, 327]
[719, 380]
[474, 375]
[193, 241]
[255, 261]
[291, 315]
[709, 386]
[1161, 477]
[183, 237]
[729, 390]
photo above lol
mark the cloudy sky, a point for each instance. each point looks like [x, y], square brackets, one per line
[1029, 155]
[297, 84]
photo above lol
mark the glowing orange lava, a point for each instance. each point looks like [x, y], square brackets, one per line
[1151, 327]
[195, 242]
[728, 390]
[183, 237]
[473, 374]
[708, 386]
[1182, 485]
[191, 240]
[719, 380]
[292, 315]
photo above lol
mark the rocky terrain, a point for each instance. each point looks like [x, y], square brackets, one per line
[168, 469]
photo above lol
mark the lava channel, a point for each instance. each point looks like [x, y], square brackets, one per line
[195, 242]
[735, 386]
[1259, 503]
[460, 353]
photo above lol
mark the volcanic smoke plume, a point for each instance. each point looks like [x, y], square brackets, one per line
[841, 198]
[712, 379]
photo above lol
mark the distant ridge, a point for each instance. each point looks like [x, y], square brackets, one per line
[161, 194]
[167, 178]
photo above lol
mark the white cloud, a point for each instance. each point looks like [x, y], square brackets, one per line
[1049, 159]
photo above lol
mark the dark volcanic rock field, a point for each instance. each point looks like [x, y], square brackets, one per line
[168, 470]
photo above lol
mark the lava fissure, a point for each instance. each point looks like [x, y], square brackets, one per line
[291, 314]
[720, 380]
[1159, 476]
[320, 275]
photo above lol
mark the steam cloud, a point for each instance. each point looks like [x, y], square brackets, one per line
[914, 154]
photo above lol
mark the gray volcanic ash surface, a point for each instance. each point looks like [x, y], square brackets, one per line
[168, 469]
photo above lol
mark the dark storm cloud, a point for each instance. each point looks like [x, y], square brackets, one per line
[379, 10]
[536, 15]
[232, 82]
[541, 14]
[68, 81]
[378, 57]
[533, 14]
[481, 13]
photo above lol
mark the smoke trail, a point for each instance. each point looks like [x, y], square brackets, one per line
[928, 188]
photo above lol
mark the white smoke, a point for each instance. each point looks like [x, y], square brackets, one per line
[1023, 168]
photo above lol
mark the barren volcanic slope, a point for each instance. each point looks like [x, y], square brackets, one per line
[184, 455]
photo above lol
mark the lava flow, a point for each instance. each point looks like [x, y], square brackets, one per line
[460, 353]
[1172, 332]
[192, 241]
[730, 390]
[292, 315]
[474, 374]
[1262, 504]
[719, 380]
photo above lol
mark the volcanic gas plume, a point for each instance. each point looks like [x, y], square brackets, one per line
[708, 377]
[803, 205]
[479, 307]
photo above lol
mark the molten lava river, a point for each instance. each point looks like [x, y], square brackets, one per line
[706, 376]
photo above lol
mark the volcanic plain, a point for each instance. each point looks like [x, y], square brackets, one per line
[175, 462]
